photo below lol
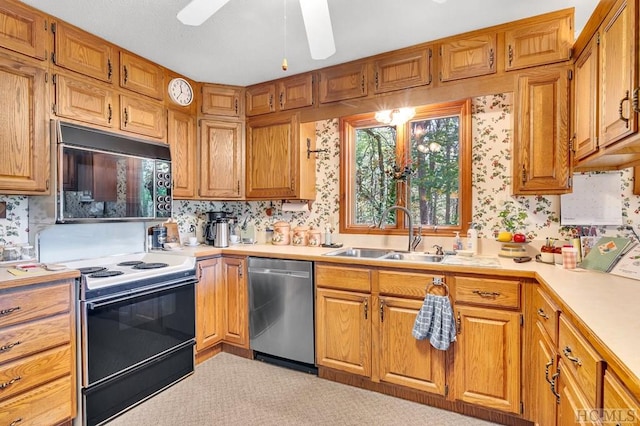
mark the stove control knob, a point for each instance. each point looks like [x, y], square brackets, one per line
[167, 207]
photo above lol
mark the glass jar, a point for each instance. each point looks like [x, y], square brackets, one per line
[300, 236]
[27, 252]
[11, 254]
[281, 231]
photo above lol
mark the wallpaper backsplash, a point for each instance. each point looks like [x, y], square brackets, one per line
[492, 141]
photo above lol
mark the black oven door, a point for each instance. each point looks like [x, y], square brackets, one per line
[123, 332]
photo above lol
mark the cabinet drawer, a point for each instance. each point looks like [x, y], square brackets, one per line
[581, 360]
[26, 339]
[49, 404]
[25, 305]
[546, 312]
[405, 283]
[343, 278]
[29, 372]
[488, 292]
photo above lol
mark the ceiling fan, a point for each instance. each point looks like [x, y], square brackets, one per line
[315, 14]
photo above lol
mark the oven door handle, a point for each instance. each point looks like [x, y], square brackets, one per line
[95, 305]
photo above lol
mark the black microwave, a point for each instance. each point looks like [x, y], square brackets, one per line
[108, 177]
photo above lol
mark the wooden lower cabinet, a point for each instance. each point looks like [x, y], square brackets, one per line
[236, 325]
[209, 304]
[487, 358]
[343, 331]
[620, 406]
[541, 366]
[573, 407]
[404, 360]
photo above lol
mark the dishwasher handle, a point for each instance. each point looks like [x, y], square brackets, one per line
[283, 272]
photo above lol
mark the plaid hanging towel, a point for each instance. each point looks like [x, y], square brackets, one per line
[435, 322]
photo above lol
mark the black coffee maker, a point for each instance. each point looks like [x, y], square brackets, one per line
[217, 230]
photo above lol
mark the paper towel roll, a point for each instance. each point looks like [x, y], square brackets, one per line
[295, 206]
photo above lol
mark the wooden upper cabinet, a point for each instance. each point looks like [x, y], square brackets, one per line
[402, 70]
[541, 160]
[221, 152]
[539, 42]
[84, 101]
[181, 137]
[23, 29]
[79, 51]
[141, 76]
[468, 57]
[342, 82]
[143, 117]
[261, 99]
[295, 92]
[585, 101]
[222, 100]
[24, 163]
[618, 74]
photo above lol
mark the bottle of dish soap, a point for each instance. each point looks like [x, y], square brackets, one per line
[472, 239]
[457, 243]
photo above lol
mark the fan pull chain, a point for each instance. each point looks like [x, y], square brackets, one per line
[284, 60]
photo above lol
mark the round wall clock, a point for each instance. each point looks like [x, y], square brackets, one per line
[180, 91]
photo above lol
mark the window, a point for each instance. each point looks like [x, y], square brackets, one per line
[423, 165]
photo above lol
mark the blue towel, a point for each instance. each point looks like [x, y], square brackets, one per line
[435, 322]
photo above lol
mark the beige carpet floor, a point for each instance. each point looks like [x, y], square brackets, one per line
[230, 390]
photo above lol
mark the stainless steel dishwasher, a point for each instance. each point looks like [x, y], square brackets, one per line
[281, 313]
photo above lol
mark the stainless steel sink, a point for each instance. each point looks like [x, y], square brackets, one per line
[368, 253]
[414, 257]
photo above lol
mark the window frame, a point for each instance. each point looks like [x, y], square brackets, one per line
[348, 126]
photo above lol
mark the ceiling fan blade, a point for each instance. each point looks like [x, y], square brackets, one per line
[317, 23]
[198, 11]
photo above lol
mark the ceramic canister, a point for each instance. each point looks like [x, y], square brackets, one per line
[314, 237]
[281, 235]
[300, 236]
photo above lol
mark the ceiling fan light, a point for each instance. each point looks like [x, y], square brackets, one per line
[198, 11]
[317, 22]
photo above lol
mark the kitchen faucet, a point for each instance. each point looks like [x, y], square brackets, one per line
[411, 245]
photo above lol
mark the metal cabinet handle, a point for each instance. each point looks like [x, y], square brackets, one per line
[524, 175]
[510, 55]
[622, 117]
[126, 73]
[634, 100]
[567, 353]
[362, 84]
[126, 117]
[486, 293]
[458, 324]
[236, 105]
[491, 58]
[109, 113]
[8, 347]
[109, 69]
[281, 99]
[366, 309]
[382, 311]
[553, 386]
[10, 382]
[9, 311]
[542, 314]
[270, 101]
[546, 370]
[15, 422]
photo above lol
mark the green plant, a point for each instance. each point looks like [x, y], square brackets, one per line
[512, 218]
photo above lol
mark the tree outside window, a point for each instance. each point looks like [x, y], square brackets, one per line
[424, 165]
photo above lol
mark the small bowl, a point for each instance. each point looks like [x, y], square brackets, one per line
[465, 253]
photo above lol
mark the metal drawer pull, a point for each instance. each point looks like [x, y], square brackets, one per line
[366, 309]
[15, 422]
[8, 311]
[5, 348]
[542, 314]
[546, 370]
[567, 352]
[486, 293]
[10, 382]
[622, 117]
[553, 386]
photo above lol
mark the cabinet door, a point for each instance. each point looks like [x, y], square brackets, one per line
[181, 136]
[541, 161]
[221, 100]
[83, 101]
[272, 153]
[24, 163]
[468, 57]
[221, 159]
[403, 359]
[82, 52]
[236, 313]
[620, 406]
[209, 303]
[487, 358]
[541, 404]
[295, 92]
[538, 43]
[260, 99]
[343, 331]
[142, 117]
[403, 70]
[618, 74]
[573, 407]
[24, 30]
[343, 82]
[141, 76]
[586, 83]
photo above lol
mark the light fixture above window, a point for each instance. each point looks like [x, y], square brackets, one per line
[431, 147]
[396, 116]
